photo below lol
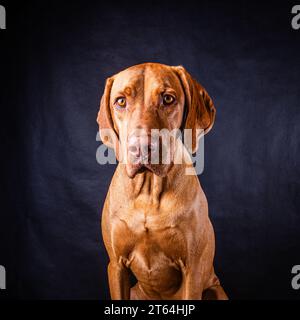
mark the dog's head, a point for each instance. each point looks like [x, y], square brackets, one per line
[141, 101]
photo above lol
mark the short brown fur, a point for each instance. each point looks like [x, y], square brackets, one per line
[155, 221]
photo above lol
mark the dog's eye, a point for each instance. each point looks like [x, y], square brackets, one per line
[121, 102]
[168, 99]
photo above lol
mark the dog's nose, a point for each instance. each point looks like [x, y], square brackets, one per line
[141, 147]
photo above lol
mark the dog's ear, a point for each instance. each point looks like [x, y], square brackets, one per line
[108, 133]
[200, 110]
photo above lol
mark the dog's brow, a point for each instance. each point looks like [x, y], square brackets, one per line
[129, 90]
[166, 86]
[167, 83]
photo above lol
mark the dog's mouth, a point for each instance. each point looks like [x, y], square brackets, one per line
[153, 163]
[134, 168]
[160, 170]
[157, 158]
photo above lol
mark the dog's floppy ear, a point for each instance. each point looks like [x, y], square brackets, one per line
[200, 110]
[108, 133]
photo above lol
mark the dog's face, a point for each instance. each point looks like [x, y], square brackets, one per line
[141, 101]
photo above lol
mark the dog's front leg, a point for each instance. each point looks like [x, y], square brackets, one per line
[192, 282]
[119, 284]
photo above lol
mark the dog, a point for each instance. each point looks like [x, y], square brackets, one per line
[155, 222]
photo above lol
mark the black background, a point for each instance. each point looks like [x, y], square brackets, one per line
[55, 58]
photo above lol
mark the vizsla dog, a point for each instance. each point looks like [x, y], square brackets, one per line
[155, 217]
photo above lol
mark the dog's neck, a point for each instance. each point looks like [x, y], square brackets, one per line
[147, 185]
[150, 187]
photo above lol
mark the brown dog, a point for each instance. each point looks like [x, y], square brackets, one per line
[155, 218]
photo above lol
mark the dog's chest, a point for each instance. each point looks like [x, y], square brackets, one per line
[147, 227]
[155, 261]
[151, 246]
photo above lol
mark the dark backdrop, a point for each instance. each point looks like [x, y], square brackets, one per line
[55, 58]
